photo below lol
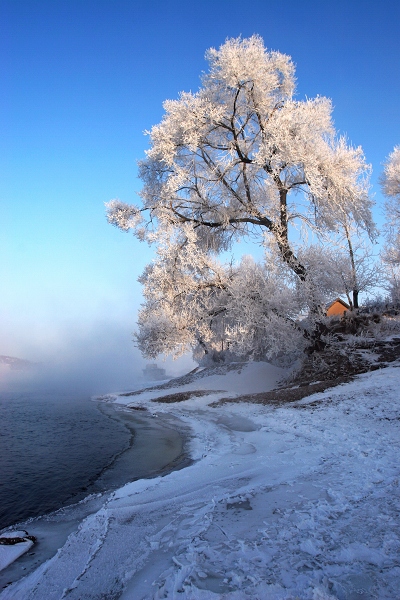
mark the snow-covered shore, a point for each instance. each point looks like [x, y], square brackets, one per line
[297, 501]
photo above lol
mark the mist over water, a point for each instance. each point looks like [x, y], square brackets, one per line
[56, 444]
[97, 360]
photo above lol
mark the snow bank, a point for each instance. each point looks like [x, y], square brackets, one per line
[249, 378]
[10, 552]
[300, 501]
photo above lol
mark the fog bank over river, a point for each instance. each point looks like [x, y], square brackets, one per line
[98, 360]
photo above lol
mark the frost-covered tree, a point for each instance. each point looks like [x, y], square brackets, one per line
[241, 158]
[358, 272]
[193, 302]
[390, 179]
[354, 262]
[390, 182]
[185, 293]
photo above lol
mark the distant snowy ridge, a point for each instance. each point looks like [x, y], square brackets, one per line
[17, 364]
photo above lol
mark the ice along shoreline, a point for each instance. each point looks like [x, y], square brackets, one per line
[158, 447]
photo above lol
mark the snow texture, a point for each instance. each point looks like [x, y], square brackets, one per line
[10, 553]
[293, 502]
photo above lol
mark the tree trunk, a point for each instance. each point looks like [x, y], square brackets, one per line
[282, 236]
[355, 298]
[353, 266]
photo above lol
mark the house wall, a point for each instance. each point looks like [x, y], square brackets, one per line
[336, 309]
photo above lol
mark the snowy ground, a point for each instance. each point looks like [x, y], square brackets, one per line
[294, 502]
[10, 553]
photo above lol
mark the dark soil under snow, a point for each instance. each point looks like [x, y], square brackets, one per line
[338, 363]
[333, 366]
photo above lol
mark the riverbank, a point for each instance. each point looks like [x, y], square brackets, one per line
[155, 447]
[158, 446]
[299, 499]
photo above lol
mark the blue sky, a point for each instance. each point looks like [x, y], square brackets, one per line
[82, 80]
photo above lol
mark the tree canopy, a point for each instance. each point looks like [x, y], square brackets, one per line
[390, 182]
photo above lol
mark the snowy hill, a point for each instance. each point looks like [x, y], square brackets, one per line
[286, 500]
[18, 364]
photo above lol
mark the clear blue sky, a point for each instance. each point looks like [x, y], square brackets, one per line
[82, 80]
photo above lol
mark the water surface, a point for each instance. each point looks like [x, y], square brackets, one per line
[57, 449]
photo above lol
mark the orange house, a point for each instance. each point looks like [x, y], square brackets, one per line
[337, 307]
